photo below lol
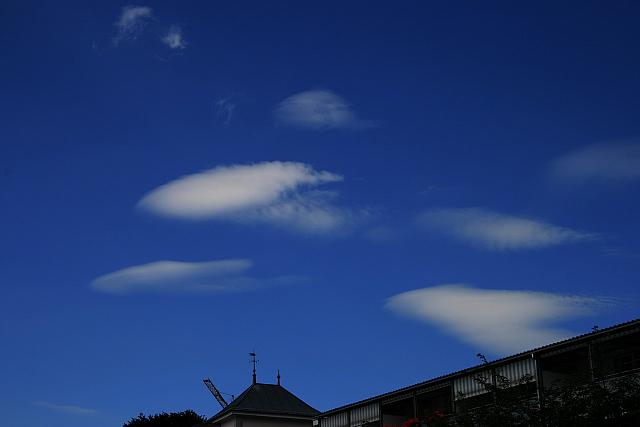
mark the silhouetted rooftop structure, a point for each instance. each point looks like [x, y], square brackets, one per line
[269, 400]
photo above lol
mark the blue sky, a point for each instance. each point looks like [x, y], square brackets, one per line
[366, 194]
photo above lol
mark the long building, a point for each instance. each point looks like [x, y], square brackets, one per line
[602, 354]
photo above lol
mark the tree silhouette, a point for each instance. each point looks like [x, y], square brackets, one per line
[186, 418]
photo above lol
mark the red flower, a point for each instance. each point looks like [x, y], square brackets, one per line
[411, 422]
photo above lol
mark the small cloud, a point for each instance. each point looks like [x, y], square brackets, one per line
[278, 193]
[498, 321]
[224, 109]
[131, 22]
[598, 164]
[495, 231]
[318, 110]
[67, 409]
[175, 277]
[174, 38]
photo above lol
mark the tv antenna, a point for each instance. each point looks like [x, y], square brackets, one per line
[483, 358]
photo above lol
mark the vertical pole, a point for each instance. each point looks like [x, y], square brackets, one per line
[590, 362]
[538, 378]
[415, 405]
[453, 399]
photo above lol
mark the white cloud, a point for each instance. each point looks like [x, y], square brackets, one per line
[599, 163]
[131, 22]
[495, 231]
[498, 321]
[174, 277]
[279, 193]
[318, 110]
[67, 409]
[174, 38]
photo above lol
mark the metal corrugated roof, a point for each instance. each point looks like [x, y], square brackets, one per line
[568, 341]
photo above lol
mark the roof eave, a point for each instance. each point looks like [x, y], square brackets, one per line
[262, 415]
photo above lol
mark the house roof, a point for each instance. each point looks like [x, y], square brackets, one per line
[267, 399]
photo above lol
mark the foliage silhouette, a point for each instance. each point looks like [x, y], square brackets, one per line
[186, 418]
[575, 402]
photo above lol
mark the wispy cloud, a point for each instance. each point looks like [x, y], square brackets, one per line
[224, 109]
[318, 110]
[495, 231]
[613, 251]
[67, 409]
[175, 277]
[131, 22]
[278, 193]
[174, 38]
[599, 163]
[498, 321]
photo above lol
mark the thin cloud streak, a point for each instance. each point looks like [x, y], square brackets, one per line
[276, 193]
[599, 163]
[497, 321]
[67, 409]
[224, 109]
[318, 110]
[495, 231]
[175, 277]
[131, 22]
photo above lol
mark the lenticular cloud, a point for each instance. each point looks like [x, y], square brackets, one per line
[284, 194]
[498, 321]
[178, 277]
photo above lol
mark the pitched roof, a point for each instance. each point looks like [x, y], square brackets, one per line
[268, 399]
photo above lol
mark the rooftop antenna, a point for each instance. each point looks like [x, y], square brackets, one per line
[483, 358]
[278, 377]
[254, 361]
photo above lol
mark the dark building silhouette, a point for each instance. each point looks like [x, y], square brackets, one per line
[265, 405]
[601, 355]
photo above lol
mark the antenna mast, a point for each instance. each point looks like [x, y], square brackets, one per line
[216, 393]
[254, 361]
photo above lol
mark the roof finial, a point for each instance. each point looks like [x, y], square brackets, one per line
[254, 361]
[278, 376]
